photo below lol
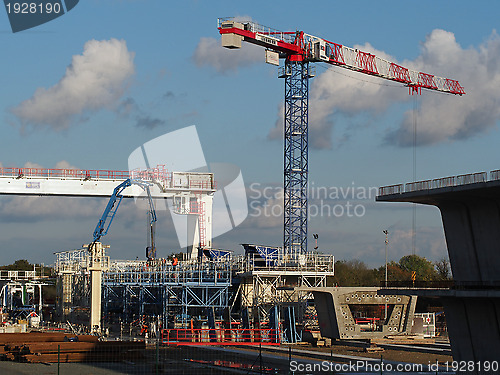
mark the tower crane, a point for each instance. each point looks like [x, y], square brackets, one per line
[299, 49]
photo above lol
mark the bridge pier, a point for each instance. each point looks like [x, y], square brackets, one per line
[470, 211]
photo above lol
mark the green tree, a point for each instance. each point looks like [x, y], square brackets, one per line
[394, 273]
[443, 269]
[424, 268]
[354, 273]
[19, 265]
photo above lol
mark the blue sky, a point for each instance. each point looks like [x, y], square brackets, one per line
[164, 69]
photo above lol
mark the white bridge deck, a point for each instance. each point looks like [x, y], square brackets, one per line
[101, 183]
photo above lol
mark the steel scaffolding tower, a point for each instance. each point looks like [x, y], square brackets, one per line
[156, 288]
[296, 74]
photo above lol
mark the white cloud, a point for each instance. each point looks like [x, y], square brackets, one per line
[96, 79]
[30, 164]
[63, 164]
[210, 52]
[446, 117]
[442, 117]
[429, 241]
[265, 207]
[33, 209]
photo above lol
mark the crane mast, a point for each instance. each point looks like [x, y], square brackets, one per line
[299, 50]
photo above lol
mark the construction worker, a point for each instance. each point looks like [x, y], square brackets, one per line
[175, 261]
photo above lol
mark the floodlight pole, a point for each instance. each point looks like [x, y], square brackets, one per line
[386, 232]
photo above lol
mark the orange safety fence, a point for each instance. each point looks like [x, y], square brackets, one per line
[220, 336]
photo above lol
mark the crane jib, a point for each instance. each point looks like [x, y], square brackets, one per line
[305, 47]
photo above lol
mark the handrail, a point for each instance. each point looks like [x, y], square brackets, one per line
[437, 183]
[158, 173]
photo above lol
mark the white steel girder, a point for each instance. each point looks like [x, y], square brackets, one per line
[181, 189]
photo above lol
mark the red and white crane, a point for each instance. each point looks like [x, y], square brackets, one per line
[299, 49]
[299, 46]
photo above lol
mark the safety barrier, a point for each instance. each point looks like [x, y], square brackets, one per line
[464, 179]
[220, 336]
[17, 275]
[64, 173]
[158, 173]
[495, 175]
[391, 189]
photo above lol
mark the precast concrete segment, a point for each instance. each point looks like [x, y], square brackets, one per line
[336, 320]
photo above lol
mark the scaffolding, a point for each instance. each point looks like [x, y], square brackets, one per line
[270, 276]
[132, 289]
[21, 293]
[238, 289]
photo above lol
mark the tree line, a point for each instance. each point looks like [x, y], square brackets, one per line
[357, 273]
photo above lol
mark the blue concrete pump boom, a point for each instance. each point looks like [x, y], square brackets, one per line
[109, 213]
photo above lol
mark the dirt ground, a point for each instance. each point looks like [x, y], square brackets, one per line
[187, 360]
[388, 354]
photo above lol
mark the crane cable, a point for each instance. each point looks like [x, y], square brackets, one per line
[415, 95]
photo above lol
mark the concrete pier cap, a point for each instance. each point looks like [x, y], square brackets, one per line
[470, 212]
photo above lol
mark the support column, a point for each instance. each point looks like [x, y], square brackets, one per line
[98, 263]
[95, 299]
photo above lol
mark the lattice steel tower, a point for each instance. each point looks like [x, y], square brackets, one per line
[296, 74]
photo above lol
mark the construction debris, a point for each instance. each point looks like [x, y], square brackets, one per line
[403, 340]
[373, 349]
[61, 347]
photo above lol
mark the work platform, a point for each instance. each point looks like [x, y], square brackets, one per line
[241, 290]
[470, 210]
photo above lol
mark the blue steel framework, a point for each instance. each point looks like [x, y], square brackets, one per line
[132, 289]
[296, 74]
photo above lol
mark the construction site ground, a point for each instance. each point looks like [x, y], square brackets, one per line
[202, 360]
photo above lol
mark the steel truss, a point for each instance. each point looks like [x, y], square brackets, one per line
[262, 290]
[296, 74]
[134, 300]
[132, 289]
